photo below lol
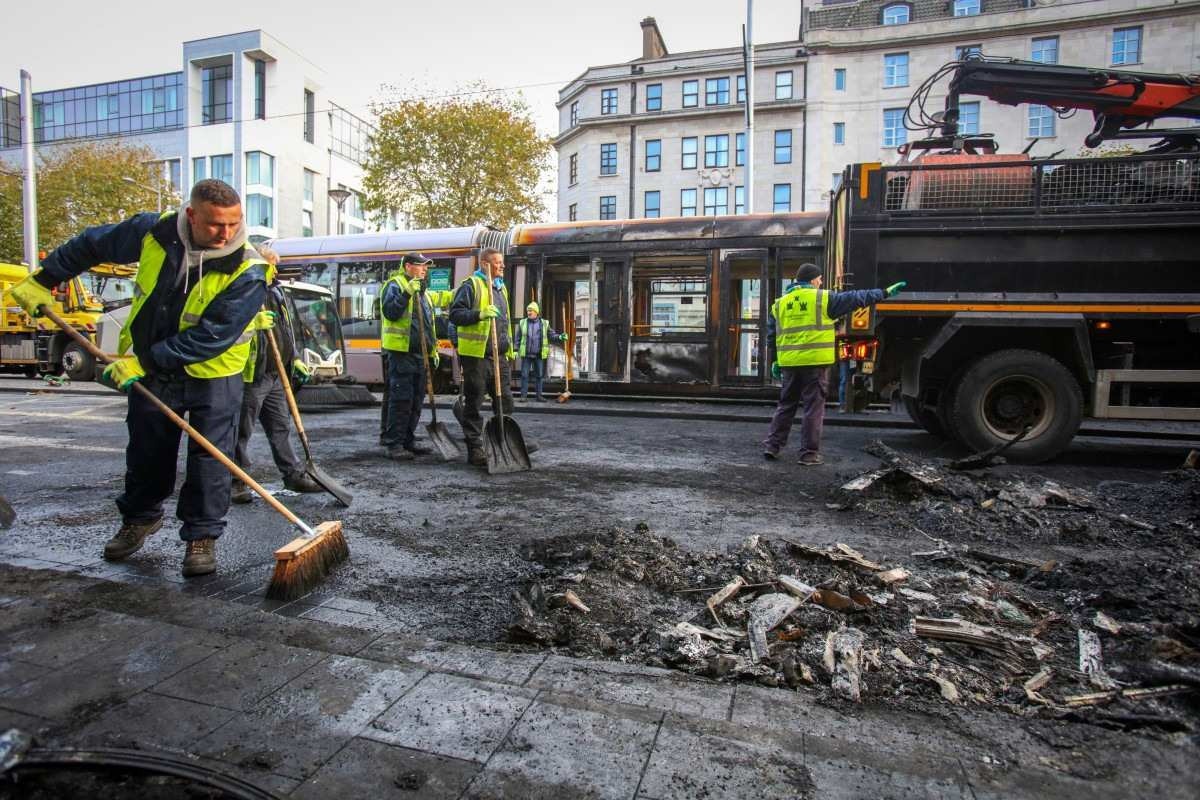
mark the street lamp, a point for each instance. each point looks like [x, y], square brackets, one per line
[339, 196]
[156, 189]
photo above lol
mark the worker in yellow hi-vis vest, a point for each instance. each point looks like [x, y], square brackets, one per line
[802, 344]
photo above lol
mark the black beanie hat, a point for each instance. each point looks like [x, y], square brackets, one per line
[807, 272]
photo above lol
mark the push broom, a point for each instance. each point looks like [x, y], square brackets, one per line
[300, 564]
[566, 394]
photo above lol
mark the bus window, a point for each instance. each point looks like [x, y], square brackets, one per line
[358, 299]
[670, 300]
[321, 274]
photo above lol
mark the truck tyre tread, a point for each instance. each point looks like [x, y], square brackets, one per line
[964, 409]
[924, 417]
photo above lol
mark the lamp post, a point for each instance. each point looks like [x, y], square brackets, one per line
[156, 189]
[339, 196]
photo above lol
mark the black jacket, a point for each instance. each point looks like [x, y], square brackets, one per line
[157, 340]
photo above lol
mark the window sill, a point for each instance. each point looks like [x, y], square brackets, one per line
[1127, 64]
[611, 175]
[572, 185]
[896, 86]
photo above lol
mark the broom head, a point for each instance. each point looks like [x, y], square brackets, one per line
[303, 563]
[564, 397]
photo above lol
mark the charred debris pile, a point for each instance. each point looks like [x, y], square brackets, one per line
[1110, 637]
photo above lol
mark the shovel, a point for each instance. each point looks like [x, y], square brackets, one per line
[566, 395]
[316, 473]
[504, 443]
[439, 434]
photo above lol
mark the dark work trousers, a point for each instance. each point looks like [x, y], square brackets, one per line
[405, 385]
[264, 401]
[212, 406]
[383, 407]
[479, 378]
[801, 385]
[534, 365]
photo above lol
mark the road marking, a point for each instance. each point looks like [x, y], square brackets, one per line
[49, 415]
[57, 444]
[19, 472]
[106, 404]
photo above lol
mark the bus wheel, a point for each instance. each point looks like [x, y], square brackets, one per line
[1003, 393]
[78, 364]
[924, 417]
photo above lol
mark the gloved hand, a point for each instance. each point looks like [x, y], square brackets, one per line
[30, 294]
[491, 312]
[435, 359]
[302, 372]
[121, 373]
[416, 285]
[776, 372]
[263, 321]
[895, 288]
[498, 282]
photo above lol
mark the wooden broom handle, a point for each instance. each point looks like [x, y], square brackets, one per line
[237, 471]
[425, 355]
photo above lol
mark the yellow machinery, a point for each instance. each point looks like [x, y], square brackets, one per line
[35, 346]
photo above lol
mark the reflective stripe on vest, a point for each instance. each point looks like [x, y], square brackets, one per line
[805, 335]
[396, 331]
[545, 348]
[230, 362]
[473, 339]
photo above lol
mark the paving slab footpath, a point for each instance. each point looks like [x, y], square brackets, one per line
[347, 706]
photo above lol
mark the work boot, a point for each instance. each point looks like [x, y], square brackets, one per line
[418, 449]
[301, 482]
[770, 453]
[129, 539]
[201, 558]
[399, 454]
[811, 459]
[240, 492]
[477, 458]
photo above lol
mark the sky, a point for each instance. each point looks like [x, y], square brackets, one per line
[363, 45]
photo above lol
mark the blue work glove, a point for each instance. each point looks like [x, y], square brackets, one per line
[302, 373]
[895, 288]
[491, 312]
[263, 321]
[122, 373]
[498, 283]
[31, 295]
[776, 372]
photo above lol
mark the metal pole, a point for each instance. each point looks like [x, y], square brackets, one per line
[29, 190]
[749, 59]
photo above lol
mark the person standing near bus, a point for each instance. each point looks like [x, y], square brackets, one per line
[802, 344]
[477, 305]
[532, 345]
[407, 304]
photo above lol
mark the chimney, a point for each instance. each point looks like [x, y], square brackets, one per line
[653, 45]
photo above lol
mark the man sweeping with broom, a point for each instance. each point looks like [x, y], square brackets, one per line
[198, 288]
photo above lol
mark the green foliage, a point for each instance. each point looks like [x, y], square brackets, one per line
[79, 186]
[473, 158]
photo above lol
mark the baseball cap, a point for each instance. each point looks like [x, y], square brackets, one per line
[416, 258]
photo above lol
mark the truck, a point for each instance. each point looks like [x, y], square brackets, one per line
[1040, 291]
[35, 346]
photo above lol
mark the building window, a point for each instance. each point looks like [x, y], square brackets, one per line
[574, 113]
[573, 169]
[217, 93]
[739, 150]
[837, 181]
[716, 91]
[781, 197]
[688, 150]
[653, 204]
[839, 80]
[260, 211]
[608, 101]
[221, 168]
[691, 94]
[174, 172]
[310, 117]
[966, 8]
[573, 212]
[894, 133]
[783, 147]
[260, 169]
[653, 155]
[260, 89]
[783, 85]
[839, 133]
[654, 97]
[716, 150]
[1044, 50]
[739, 199]
[687, 203]
[968, 118]
[716, 201]
[896, 14]
[310, 180]
[608, 206]
[199, 169]
[895, 69]
[741, 88]
[1041, 121]
[306, 223]
[1127, 46]
[608, 159]
[965, 50]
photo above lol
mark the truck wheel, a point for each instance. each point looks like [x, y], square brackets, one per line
[924, 417]
[1005, 391]
[78, 363]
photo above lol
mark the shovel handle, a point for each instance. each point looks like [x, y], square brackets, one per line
[498, 397]
[287, 390]
[237, 471]
[425, 356]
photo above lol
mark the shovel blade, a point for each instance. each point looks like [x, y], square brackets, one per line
[505, 446]
[439, 436]
[340, 493]
[7, 515]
